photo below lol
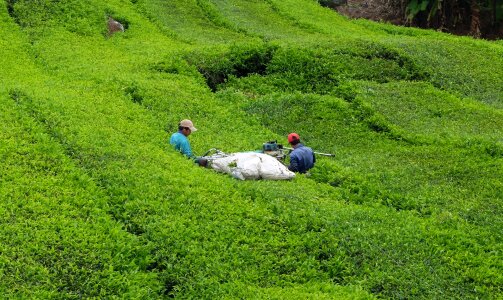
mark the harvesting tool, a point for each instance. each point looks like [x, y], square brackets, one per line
[274, 149]
[216, 154]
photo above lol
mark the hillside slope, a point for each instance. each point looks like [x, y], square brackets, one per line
[95, 203]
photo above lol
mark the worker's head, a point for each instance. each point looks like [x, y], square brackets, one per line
[186, 127]
[293, 139]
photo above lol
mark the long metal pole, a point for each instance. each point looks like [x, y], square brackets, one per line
[319, 153]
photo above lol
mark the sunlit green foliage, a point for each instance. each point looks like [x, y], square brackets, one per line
[95, 203]
[58, 237]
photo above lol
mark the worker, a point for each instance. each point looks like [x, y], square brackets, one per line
[181, 143]
[301, 158]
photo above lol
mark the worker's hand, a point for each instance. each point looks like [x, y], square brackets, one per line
[201, 162]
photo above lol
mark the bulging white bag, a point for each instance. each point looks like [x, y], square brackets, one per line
[252, 165]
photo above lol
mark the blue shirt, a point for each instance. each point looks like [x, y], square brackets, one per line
[181, 143]
[301, 159]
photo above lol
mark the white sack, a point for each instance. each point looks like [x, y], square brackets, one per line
[252, 165]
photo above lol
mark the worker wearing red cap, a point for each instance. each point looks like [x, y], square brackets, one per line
[301, 158]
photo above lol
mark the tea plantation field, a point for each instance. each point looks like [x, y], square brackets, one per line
[94, 202]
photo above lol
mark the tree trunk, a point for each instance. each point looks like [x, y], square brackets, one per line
[494, 16]
[475, 21]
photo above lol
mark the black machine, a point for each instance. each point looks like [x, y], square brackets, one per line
[274, 149]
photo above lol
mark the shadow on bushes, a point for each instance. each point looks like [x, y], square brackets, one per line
[239, 60]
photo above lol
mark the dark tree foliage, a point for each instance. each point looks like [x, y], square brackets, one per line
[478, 18]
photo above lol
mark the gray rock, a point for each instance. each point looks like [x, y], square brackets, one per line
[114, 26]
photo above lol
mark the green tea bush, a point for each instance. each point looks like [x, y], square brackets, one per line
[420, 109]
[319, 70]
[239, 60]
[259, 18]
[202, 23]
[380, 27]
[216, 17]
[57, 237]
[338, 26]
[76, 16]
[464, 73]
[322, 70]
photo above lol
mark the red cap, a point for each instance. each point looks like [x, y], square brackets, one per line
[293, 137]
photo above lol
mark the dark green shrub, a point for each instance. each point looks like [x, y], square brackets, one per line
[239, 60]
[86, 18]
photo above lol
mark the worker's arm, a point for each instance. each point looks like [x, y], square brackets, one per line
[294, 163]
[185, 149]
